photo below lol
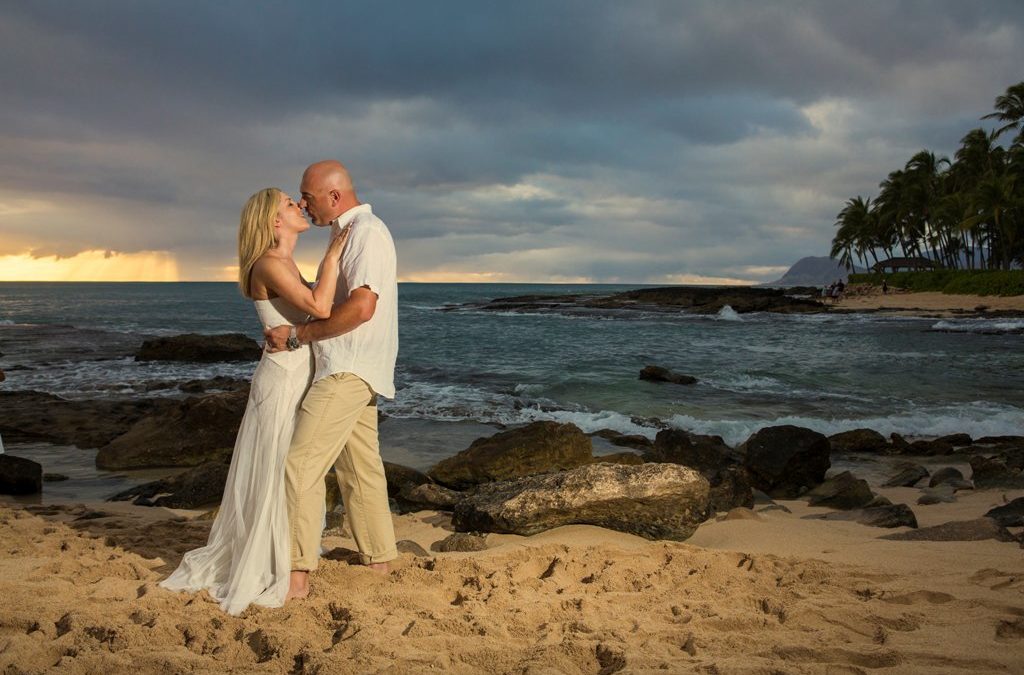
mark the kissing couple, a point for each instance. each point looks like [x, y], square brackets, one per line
[330, 351]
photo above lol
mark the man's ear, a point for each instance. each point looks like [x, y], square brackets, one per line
[335, 196]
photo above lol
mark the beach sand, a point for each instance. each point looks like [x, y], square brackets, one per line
[932, 304]
[754, 591]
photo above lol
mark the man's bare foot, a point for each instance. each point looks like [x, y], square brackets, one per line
[379, 567]
[298, 586]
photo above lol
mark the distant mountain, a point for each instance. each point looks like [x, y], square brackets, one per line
[811, 271]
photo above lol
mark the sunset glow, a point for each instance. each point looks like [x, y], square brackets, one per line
[91, 266]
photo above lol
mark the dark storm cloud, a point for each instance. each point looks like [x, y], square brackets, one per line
[552, 137]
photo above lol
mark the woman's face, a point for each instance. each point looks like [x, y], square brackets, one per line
[289, 215]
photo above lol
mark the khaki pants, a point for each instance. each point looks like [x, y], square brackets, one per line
[337, 424]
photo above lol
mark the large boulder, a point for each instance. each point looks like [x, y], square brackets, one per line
[196, 348]
[946, 474]
[194, 431]
[656, 501]
[537, 448]
[930, 448]
[786, 461]
[995, 472]
[34, 416]
[858, 440]
[842, 491]
[659, 374]
[20, 476]
[200, 486]
[730, 481]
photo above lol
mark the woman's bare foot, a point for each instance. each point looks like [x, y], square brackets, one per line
[298, 586]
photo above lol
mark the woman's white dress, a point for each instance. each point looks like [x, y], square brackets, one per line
[247, 557]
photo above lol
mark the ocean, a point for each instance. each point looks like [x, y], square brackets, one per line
[465, 372]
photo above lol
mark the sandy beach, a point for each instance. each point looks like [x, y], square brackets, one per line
[930, 304]
[753, 591]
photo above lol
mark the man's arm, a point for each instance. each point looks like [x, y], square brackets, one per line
[344, 318]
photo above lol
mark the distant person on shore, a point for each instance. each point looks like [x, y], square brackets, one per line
[355, 349]
[885, 287]
[246, 558]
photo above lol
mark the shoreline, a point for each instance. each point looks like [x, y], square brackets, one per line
[928, 304]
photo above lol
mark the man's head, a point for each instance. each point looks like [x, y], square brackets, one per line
[327, 191]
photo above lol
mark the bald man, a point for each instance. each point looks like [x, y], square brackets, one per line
[355, 351]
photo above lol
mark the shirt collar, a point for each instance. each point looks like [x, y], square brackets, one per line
[344, 219]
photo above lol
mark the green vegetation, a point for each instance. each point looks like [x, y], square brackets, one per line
[962, 282]
[968, 213]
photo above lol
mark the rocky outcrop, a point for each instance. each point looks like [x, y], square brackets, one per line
[659, 374]
[194, 431]
[842, 491]
[635, 441]
[428, 496]
[858, 440]
[34, 416]
[20, 476]
[730, 481]
[656, 501]
[786, 461]
[201, 486]
[910, 475]
[960, 530]
[197, 348]
[537, 448]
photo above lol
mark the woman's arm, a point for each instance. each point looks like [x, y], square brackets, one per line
[280, 278]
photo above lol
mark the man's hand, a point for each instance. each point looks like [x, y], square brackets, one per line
[277, 338]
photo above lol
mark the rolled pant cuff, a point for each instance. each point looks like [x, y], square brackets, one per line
[387, 556]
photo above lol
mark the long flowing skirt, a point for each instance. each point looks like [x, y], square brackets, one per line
[247, 557]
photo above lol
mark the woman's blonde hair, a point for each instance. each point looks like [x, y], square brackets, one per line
[256, 233]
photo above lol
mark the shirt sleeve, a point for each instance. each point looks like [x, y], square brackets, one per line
[369, 261]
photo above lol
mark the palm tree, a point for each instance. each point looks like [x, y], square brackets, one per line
[1009, 109]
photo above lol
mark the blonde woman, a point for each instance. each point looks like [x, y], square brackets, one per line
[246, 559]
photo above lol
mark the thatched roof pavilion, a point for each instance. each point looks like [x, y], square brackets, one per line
[909, 264]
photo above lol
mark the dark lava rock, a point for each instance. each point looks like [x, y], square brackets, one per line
[1001, 440]
[842, 491]
[20, 476]
[537, 448]
[945, 475]
[933, 448]
[460, 542]
[995, 472]
[194, 431]
[888, 516]
[218, 383]
[54, 477]
[1008, 515]
[730, 481]
[710, 300]
[200, 348]
[786, 461]
[33, 416]
[959, 530]
[200, 486]
[428, 496]
[659, 374]
[899, 444]
[956, 440]
[858, 440]
[635, 441]
[403, 478]
[941, 494]
[910, 475]
[656, 501]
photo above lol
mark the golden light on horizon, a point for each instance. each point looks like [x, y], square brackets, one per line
[91, 266]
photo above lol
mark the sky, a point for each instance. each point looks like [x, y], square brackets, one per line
[591, 141]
